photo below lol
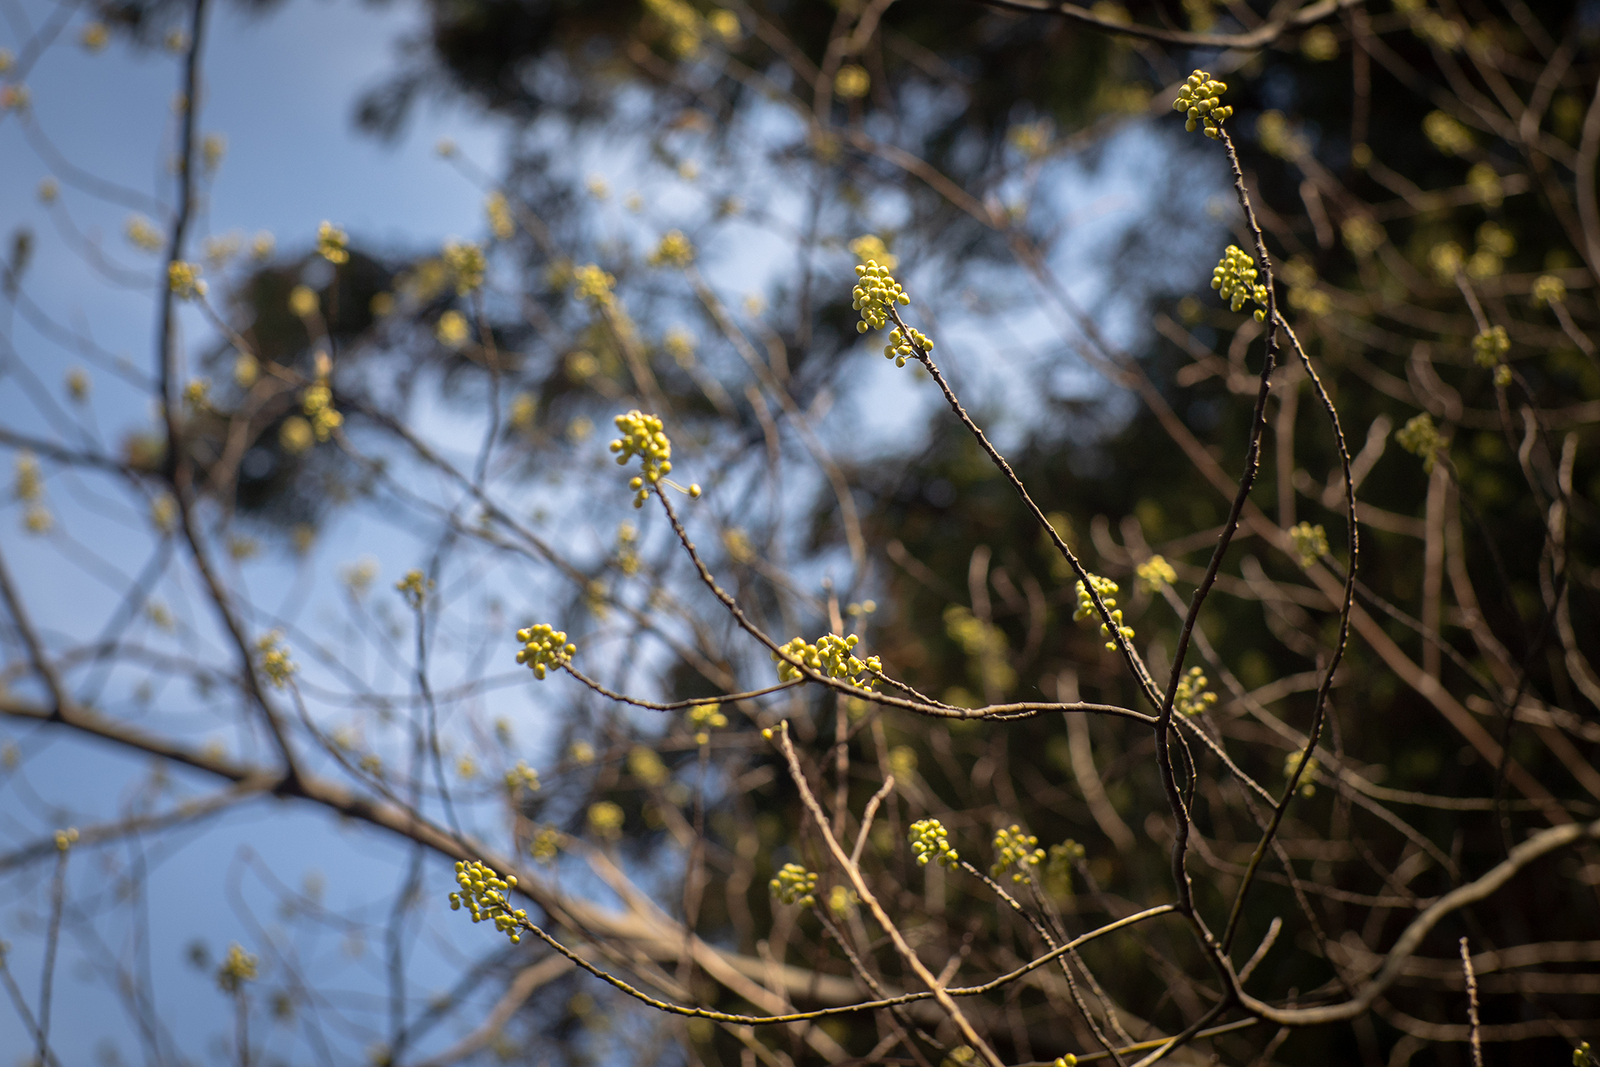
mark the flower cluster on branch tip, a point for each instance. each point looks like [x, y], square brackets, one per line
[704, 718]
[333, 244]
[275, 661]
[237, 968]
[1105, 587]
[414, 588]
[1013, 848]
[1583, 1056]
[931, 841]
[1310, 542]
[65, 839]
[483, 893]
[466, 262]
[1192, 697]
[1291, 763]
[1155, 572]
[522, 777]
[1234, 279]
[675, 250]
[317, 401]
[1200, 99]
[643, 436]
[593, 285]
[183, 278]
[1490, 346]
[1421, 437]
[544, 647]
[906, 345]
[795, 885]
[831, 656]
[875, 295]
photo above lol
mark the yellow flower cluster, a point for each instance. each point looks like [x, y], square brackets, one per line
[904, 346]
[237, 968]
[1421, 437]
[852, 82]
[794, 885]
[65, 839]
[197, 393]
[183, 279]
[931, 841]
[466, 262]
[1013, 848]
[484, 893]
[545, 846]
[1155, 572]
[643, 436]
[544, 647]
[1548, 289]
[1192, 696]
[501, 223]
[591, 283]
[875, 294]
[303, 301]
[869, 247]
[275, 661]
[1200, 99]
[143, 234]
[1310, 542]
[522, 777]
[673, 251]
[317, 402]
[1234, 279]
[831, 656]
[1105, 587]
[29, 486]
[1291, 762]
[333, 244]
[452, 330]
[1490, 346]
[413, 588]
[705, 718]
[606, 819]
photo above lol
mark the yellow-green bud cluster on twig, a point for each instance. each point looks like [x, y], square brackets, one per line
[466, 262]
[1234, 279]
[1310, 542]
[183, 279]
[592, 284]
[544, 647]
[1421, 437]
[333, 244]
[675, 250]
[317, 402]
[483, 892]
[522, 777]
[931, 841]
[1490, 346]
[876, 292]
[831, 656]
[275, 661]
[1013, 848]
[1192, 696]
[704, 718]
[643, 436]
[906, 345]
[1105, 587]
[1291, 762]
[795, 885]
[237, 968]
[1154, 573]
[1200, 99]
